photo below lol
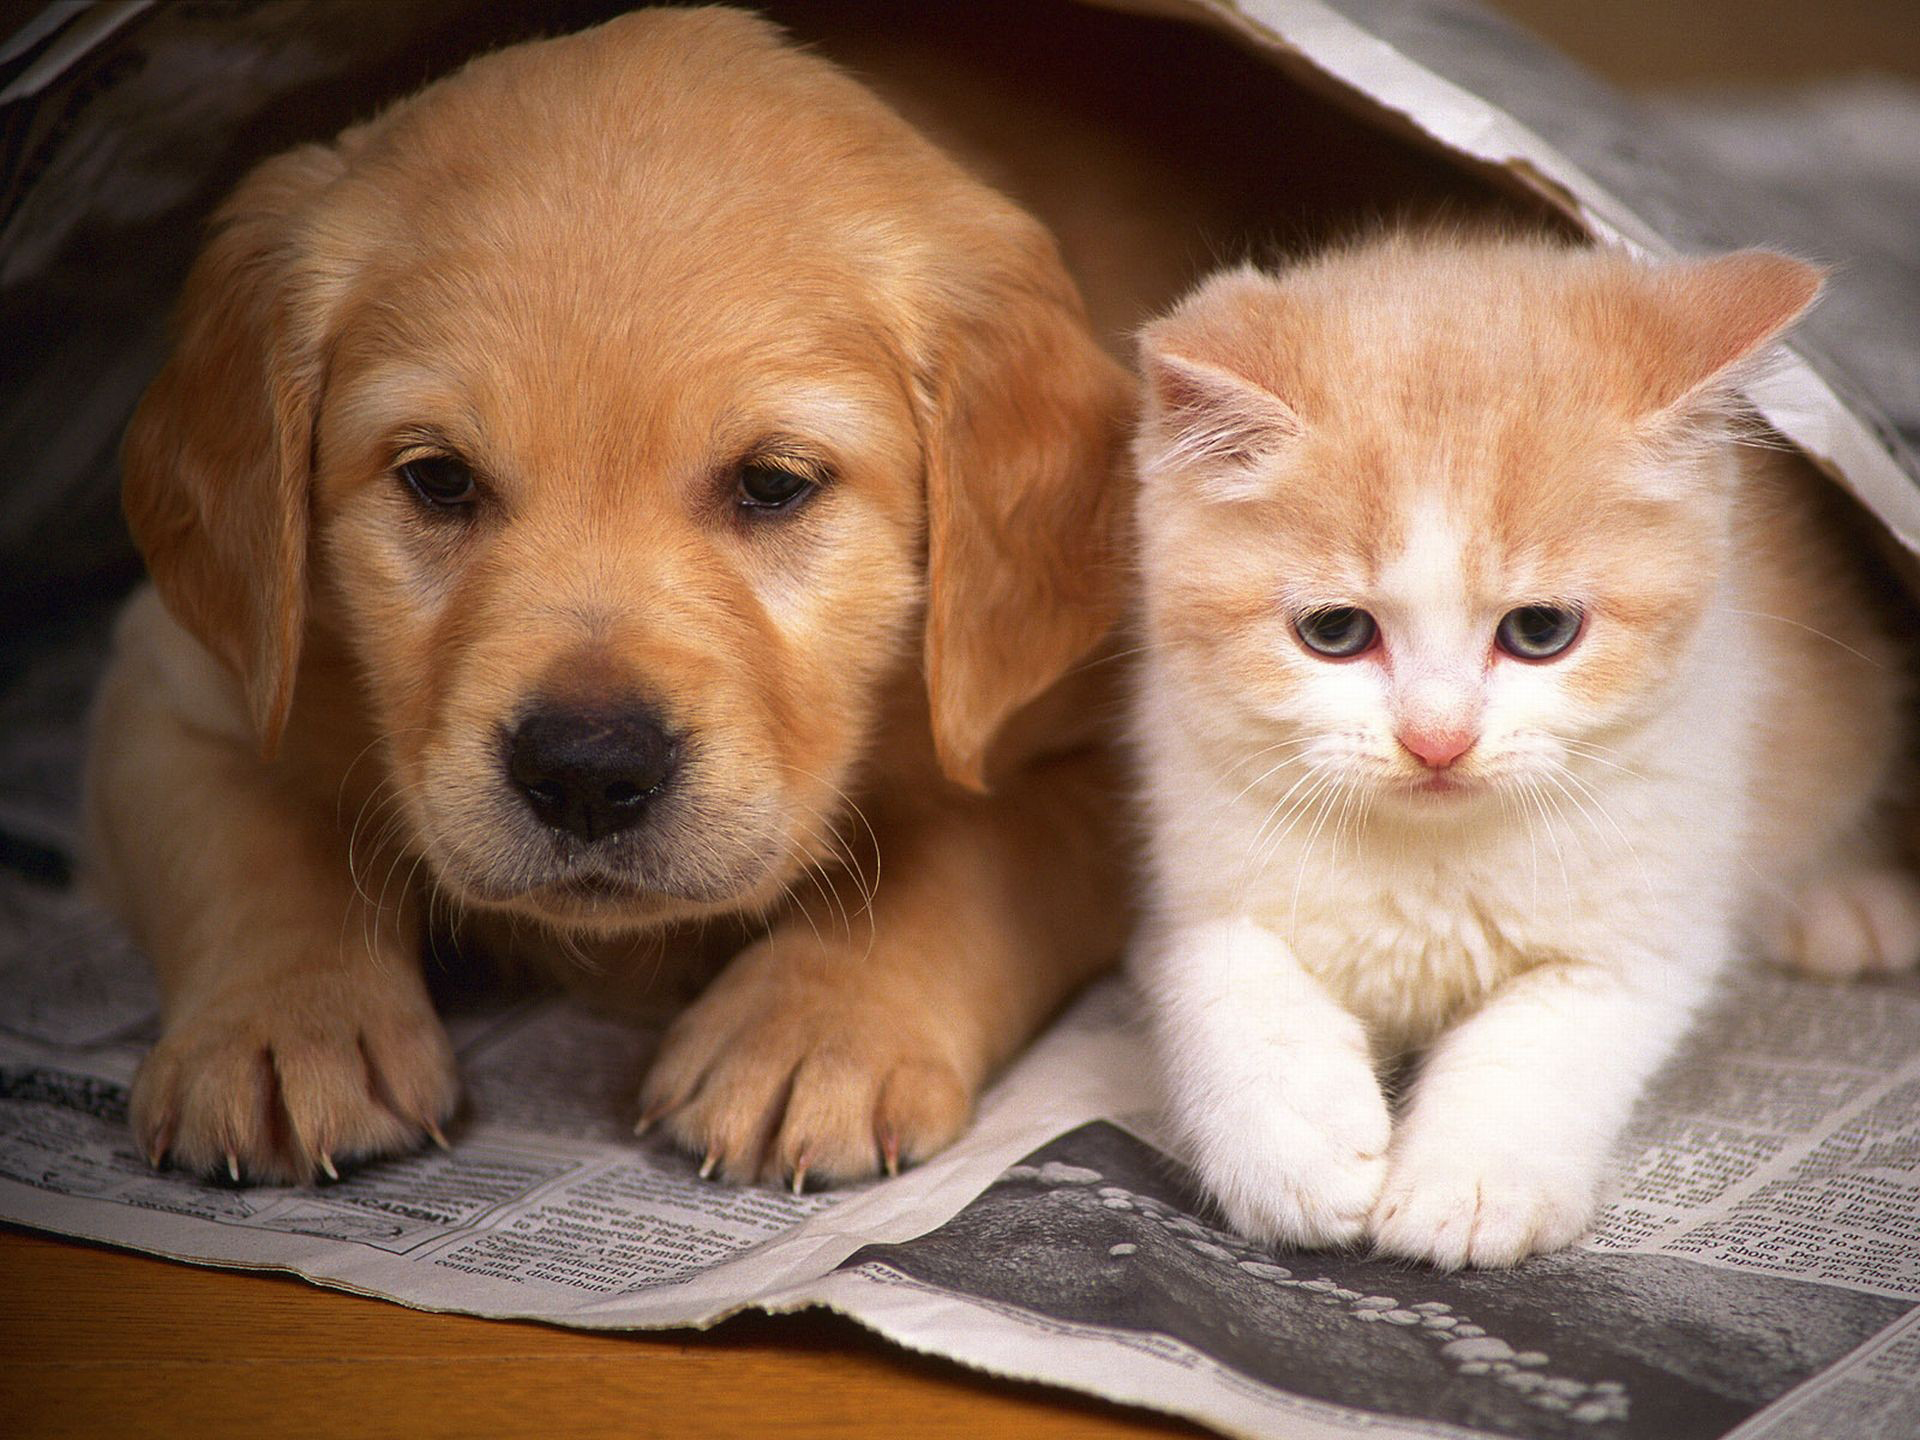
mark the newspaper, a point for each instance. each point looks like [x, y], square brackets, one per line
[1480, 90]
[1757, 1273]
[1760, 1267]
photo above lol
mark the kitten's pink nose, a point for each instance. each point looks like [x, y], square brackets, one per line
[1437, 748]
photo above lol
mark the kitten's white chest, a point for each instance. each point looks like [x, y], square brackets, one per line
[1407, 948]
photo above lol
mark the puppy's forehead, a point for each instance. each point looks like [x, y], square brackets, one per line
[664, 144]
[491, 406]
[548, 295]
[640, 236]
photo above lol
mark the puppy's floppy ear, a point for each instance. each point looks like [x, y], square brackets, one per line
[217, 457]
[1024, 421]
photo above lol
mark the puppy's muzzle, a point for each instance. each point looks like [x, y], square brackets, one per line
[591, 773]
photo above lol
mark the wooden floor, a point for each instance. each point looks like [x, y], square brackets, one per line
[96, 1343]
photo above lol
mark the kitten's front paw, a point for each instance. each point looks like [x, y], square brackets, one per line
[1451, 1204]
[1299, 1163]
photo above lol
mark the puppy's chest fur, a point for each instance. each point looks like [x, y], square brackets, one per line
[645, 974]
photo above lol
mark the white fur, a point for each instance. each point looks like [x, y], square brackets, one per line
[1545, 948]
[1523, 873]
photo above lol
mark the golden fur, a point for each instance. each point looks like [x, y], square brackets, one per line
[608, 271]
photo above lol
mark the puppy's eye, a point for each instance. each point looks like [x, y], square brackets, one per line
[1538, 632]
[1338, 632]
[443, 481]
[764, 485]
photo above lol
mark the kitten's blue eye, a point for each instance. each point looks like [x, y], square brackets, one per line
[1538, 632]
[1337, 632]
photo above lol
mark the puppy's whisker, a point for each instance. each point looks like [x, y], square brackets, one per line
[794, 906]
[387, 795]
[841, 851]
[829, 898]
[384, 739]
[853, 808]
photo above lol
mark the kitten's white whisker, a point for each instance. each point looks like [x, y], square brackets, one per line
[1600, 755]
[1260, 856]
[1274, 812]
[1552, 819]
[1300, 870]
[1281, 764]
[1533, 845]
[1321, 782]
[1281, 818]
[1143, 648]
[1554, 778]
[1811, 630]
[1567, 775]
[1347, 802]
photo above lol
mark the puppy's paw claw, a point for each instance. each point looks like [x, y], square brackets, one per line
[280, 1084]
[766, 1080]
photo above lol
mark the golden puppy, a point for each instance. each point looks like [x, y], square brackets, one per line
[636, 481]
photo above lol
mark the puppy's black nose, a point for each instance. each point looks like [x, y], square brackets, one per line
[591, 774]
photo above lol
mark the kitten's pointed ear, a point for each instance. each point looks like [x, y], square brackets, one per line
[1204, 410]
[1717, 314]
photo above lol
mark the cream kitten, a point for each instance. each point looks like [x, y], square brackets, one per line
[1493, 698]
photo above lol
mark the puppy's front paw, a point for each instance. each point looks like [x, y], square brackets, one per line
[773, 1074]
[1298, 1161]
[1457, 1200]
[274, 1082]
